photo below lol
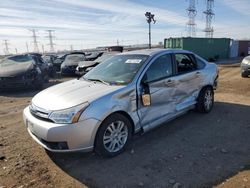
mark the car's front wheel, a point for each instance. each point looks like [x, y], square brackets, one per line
[205, 100]
[113, 135]
[244, 75]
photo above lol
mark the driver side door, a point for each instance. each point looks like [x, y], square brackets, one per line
[157, 86]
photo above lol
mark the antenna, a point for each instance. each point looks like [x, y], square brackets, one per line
[192, 12]
[51, 37]
[209, 30]
[34, 36]
[6, 49]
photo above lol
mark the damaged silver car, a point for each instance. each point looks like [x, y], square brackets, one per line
[129, 93]
[21, 71]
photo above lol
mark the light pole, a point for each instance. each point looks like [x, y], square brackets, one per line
[150, 18]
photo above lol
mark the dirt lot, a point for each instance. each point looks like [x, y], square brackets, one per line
[192, 151]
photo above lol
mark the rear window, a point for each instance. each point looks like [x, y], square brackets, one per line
[75, 58]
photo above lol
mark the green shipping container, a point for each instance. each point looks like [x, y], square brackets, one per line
[208, 48]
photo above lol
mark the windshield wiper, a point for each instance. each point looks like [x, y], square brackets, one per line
[99, 80]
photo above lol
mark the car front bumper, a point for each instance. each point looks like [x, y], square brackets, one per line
[62, 137]
[14, 82]
[245, 68]
[68, 70]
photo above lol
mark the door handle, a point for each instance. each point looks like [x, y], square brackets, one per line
[169, 82]
[198, 73]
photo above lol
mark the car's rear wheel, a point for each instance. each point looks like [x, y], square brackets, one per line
[205, 100]
[113, 135]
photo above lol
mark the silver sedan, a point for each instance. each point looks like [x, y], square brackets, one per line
[129, 93]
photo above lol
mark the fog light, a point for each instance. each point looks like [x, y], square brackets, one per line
[62, 145]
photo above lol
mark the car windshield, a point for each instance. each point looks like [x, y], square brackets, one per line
[16, 59]
[119, 69]
[75, 58]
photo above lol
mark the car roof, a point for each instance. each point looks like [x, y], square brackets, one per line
[155, 51]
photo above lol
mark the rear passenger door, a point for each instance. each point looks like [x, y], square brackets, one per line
[188, 80]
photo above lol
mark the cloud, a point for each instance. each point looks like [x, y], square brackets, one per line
[88, 23]
[240, 6]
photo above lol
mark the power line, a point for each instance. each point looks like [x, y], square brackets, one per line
[6, 49]
[192, 12]
[34, 36]
[209, 30]
[50, 36]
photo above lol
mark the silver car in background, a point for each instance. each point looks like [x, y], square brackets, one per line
[129, 93]
[245, 67]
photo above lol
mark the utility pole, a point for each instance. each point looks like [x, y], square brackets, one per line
[43, 48]
[71, 48]
[51, 37]
[192, 12]
[209, 30]
[6, 49]
[34, 36]
[16, 50]
[150, 18]
[27, 47]
[117, 42]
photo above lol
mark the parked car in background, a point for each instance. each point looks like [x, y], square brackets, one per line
[20, 71]
[58, 62]
[49, 58]
[93, 56]
[128, 93]
[245, 67]
[85, 66]
[70, 63]
[46, 69]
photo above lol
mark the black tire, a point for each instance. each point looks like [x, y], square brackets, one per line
[202, 100]
[100, 147]
[244, 75]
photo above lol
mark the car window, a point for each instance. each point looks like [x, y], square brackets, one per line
[159, 69]
[184, 63]
[200, 62]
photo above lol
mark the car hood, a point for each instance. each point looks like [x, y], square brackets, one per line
[15, 69]
[71, 93]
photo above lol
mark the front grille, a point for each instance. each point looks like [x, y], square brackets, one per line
[40, 113]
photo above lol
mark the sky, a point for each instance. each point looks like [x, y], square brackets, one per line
[90, 23]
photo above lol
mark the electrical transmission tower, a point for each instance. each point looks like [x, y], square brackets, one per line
[51, 37]
[34, 36]
[209, 30]
[192, 12]
[6, 49]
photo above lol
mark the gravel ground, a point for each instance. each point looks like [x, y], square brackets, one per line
[195, 150]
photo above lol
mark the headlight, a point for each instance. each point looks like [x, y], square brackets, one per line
[70, 115]
[246, 62]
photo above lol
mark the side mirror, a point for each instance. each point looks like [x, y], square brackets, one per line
[146, 99]
[145, 96]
